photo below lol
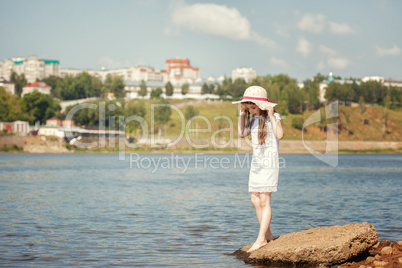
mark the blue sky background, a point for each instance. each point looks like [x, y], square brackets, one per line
[299, 38]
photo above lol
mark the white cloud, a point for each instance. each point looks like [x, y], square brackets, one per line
[303, 47]
[282, 30]
[322, 65]
[109, 63]
[327, 51]
[214, 19]
[312, 23]
[340, 28]
[394, 51]
[338, 63]
[334, 60]
[278, 62]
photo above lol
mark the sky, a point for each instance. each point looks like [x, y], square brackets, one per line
[299, 38]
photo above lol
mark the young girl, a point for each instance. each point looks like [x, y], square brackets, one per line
[265, 127]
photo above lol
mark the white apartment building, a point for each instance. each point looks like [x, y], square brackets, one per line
[75, 72]
[178, 71]
[138, 73]
[390, 82]
[6, 68]
[32, 67]
[9, 86]
[248, 74]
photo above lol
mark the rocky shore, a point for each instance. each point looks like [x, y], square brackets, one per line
[351, 245]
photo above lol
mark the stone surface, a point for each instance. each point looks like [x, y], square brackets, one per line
[380, 263]
[321, 245]
[386, 250]
[377, 259]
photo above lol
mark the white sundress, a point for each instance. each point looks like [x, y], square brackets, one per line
[264, 170]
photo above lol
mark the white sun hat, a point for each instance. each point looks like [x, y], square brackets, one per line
[257, 95]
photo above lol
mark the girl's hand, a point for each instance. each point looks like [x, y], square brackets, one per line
[270, 111]
[244, 111]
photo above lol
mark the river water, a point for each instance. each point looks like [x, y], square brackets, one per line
[178, 210]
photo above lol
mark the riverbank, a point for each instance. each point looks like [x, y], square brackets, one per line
[42, 144]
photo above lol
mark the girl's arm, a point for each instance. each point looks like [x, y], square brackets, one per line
[276, 124]
[243, 131]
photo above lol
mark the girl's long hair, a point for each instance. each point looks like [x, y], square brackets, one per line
[262, 128]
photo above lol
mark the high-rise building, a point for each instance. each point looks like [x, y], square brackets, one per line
[248, 74]
[32, 67]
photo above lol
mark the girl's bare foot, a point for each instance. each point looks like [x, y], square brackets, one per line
[257, 245]
[269, 238]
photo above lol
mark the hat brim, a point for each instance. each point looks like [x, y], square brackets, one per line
[261, 104]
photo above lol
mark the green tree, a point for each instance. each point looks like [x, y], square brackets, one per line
[136, 109]
[84, 86]
[395, 97]
[39, 107]
[221, 91]
[162, 114]
[283, 81]
[143, 89]
[190, 112]
[333, 91]
[19, 81]
[205, 89]
[362, 106]
[96, 87]
[156, 93]
[53, 81]
[81, 86]
[385, 115]
[91, 117]
[312, 89]
[236, 89]
[114, 84]
[10, 110]
[319, 78]
[169, 89]
[185, 88]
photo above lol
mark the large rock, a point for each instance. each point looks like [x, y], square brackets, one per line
[321, 245]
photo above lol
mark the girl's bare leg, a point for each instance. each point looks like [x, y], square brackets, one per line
[262, 205]
[255, 200]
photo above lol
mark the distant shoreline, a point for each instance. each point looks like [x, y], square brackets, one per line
[42, 144]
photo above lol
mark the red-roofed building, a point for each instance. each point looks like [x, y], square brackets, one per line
[53, 122]
[67, 123]
[180, 71]
[20, 127]
[41, 87]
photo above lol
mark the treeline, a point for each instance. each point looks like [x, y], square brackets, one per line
[80, 86]
[113, 113]
[32, 107]
[85, 85]
[281, 88]
[284, 89]
[367, 92]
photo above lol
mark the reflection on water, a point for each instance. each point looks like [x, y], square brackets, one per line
[91, 209]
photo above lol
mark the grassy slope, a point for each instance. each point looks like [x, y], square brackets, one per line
[349, 122]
